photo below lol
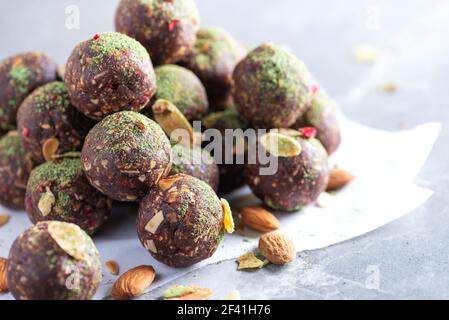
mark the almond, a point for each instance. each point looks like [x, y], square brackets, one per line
[277, 248]
[338, 179]
[3, 280]
[259, 219]
[133, 282]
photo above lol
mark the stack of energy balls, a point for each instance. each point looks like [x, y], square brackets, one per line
[74, 143]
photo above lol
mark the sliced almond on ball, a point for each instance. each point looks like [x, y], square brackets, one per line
[173, 121]
[49, 148]
[168, 182]
[46, 202]
[280, 145]
[228, 220]
[155, 222]
[69, 238]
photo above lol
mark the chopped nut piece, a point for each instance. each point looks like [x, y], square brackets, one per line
[389, 87]
[366, 54]
[325, 200]
[280, 145]
[172, 121]
[234, 296]
[4, 219]
[228, 219]
[250, 261]
[155, 222]
[46, 202]
[49, 148]
[187, 293]
[113, 267]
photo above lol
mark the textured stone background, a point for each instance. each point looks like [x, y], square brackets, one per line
[410, 254]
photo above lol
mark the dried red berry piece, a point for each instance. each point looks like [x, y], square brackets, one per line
[96, 37]
[308, 132]
[25, 132]
[173, 24]
[315, 88]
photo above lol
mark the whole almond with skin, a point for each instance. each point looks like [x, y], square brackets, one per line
[3, 280]
[133, 282]
[338, 178]
[277, 248]
[259, 219]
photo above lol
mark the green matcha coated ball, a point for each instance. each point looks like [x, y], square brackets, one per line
[213, 59]
[272, 87]
[125, 154]
[182, 88]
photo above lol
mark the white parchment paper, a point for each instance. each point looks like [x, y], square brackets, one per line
[385, 165]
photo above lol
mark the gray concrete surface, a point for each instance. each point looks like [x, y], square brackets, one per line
[411, 254]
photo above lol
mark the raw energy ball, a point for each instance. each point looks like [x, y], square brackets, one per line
[49, 124]
[323, 116]
[126, 154]
[15, 168]
[182, 88]
[231, 175]
[213, 59]
[181, 221]
[167, 29]
[109, 73]
[53, 261]
[19, 76]
[301, 174]
[58, 190]
[272, 87]
[195, 162]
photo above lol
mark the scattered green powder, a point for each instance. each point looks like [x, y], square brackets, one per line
[20, 75]
[112, 43]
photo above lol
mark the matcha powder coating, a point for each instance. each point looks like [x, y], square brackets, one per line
[109, 73]
[126, 154]
[58, 190]
[182, 88]
[272, 87]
